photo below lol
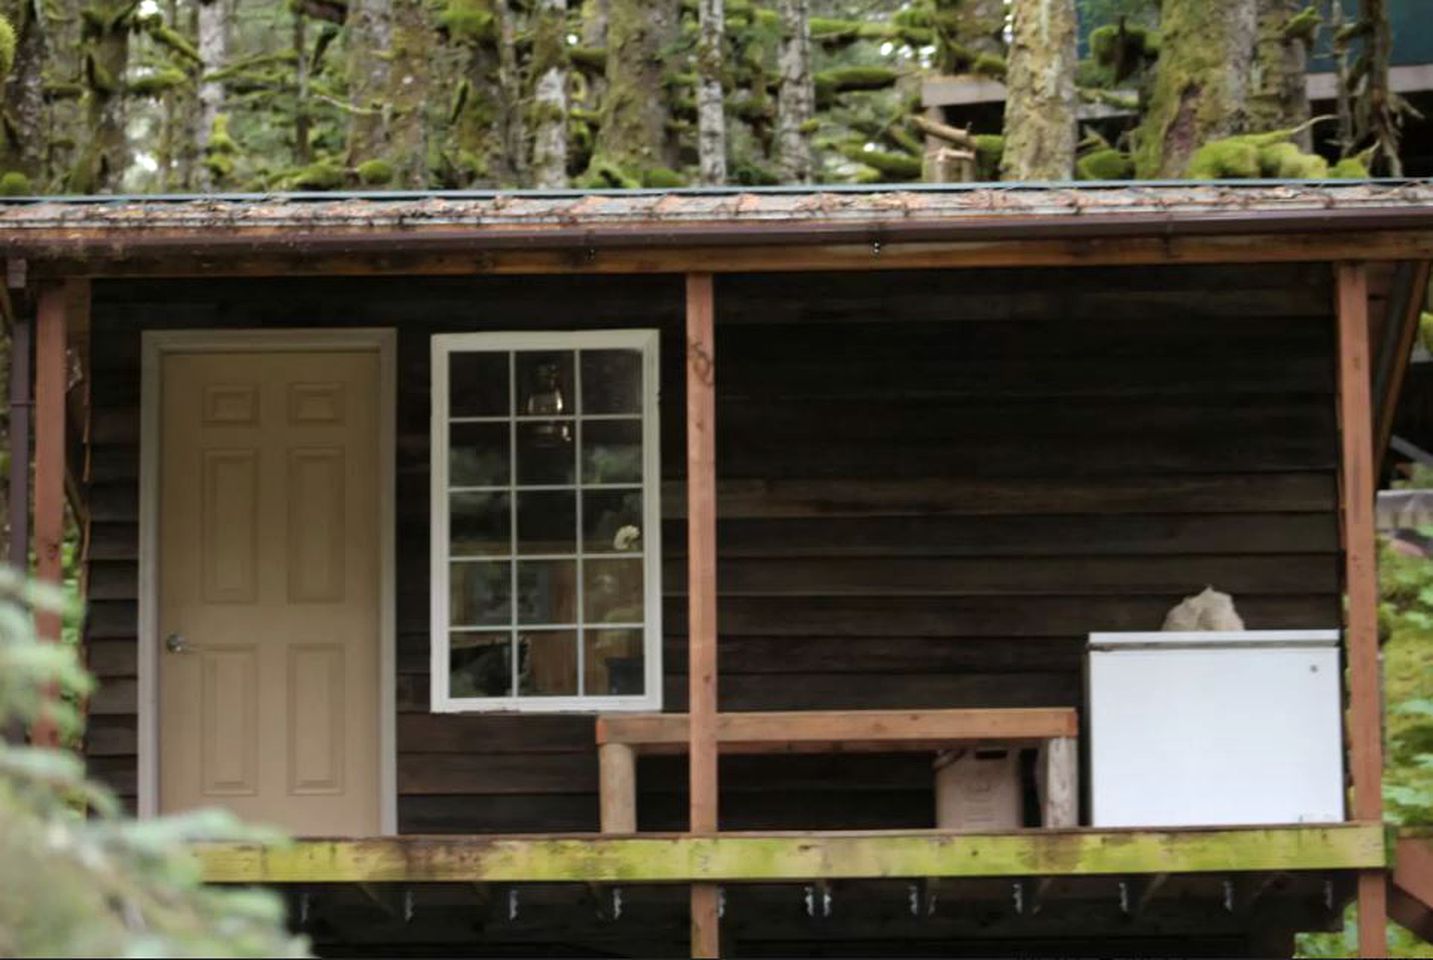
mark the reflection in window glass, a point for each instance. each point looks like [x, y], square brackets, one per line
[547, 663]
[612, 591]
[611, 381]
[480, 664]
[546, 454]
[612, 662]
[612, 451]
[478, 455]
[612, 521]
[480, 524]
[544, 384]
[481, 593]
[546, 521]
[547, 591]
[478, 385]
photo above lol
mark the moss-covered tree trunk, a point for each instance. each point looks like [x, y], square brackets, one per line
[212, 20]
[1201, 84]
[1278, 88]
[512, 118]
[473, 153]
[23, 137]
[634, 143]
[103, 151]
[711, 113]
[548, 71]
[370, 39]
[303, 152]
[405, 147]
[796, 95]
[1377, 110]
[1040, 100]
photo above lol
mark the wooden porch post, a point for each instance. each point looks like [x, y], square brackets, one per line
[701, 592]
[1365, 721]
[55, 302]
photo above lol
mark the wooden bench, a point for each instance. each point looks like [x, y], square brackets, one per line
[1054, 731]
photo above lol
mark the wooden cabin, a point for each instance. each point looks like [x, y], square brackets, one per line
[458, 534]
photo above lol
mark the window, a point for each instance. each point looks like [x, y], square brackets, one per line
[546, 523]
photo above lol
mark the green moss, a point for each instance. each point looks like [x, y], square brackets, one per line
[174, 41]
[989, 149]
[1303, 25]
[1233, 158]
[661, 178]
[100, 79]
[1285, 161]
[14, 184]
[892, 166]
[1350, 168]
[842, 79]
[7, 46]
[470, 21]
[219, 140]
[749, 173]
[1104, 164]
[588, 58]
[602, 173]
[158, 83]
[374, 173]
[323, 175]
[988, 65]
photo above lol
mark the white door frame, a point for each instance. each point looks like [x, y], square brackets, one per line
[155, 345]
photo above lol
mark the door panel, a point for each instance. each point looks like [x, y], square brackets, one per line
[269, 588]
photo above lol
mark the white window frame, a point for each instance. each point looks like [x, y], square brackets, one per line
[443, 346]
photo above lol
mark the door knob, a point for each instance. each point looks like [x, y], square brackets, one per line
[175, 643]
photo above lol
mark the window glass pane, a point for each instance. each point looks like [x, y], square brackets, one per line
[478, 455]
[547, 591]
[546, 522]
[480, 524]
[612, 521]
[547, 663]
[611, 381]
[481, 594]
[612, 663]
[480, 664]
[612, 451]
[544, 383]
[478, 385]
[546, 453]
[612, 591]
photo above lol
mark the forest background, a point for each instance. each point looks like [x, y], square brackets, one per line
[167, 96]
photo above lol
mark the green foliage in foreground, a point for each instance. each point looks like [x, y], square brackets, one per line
[1405, 618]
[101, 884]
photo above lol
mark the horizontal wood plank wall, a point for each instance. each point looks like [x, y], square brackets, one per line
[931, 486]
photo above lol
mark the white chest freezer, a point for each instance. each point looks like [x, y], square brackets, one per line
[1214, 728]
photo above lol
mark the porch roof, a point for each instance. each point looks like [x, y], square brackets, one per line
[636, 210]
[677, 231]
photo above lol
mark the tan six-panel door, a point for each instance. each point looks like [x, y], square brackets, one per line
[269, 582]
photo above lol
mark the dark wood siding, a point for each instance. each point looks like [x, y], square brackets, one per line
[932, 486]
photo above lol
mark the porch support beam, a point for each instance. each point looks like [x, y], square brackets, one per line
[701, 591]
[56, 308]
[1357, 485]
[797, 857]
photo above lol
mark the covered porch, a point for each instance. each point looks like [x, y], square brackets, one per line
[1084, 423]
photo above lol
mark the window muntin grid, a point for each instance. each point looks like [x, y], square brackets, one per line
[548, 501]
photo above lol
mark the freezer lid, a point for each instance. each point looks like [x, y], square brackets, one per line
[1213, 640]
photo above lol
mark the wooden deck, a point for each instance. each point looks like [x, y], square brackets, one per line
[796, 857]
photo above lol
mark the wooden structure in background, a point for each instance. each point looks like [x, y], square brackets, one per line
[956, 433]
